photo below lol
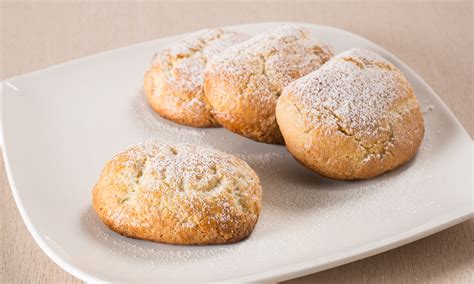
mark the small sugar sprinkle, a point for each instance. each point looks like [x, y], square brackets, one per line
[428, 109]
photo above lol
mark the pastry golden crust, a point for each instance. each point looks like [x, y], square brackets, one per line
[174, 82]
[243, 83]
[178, 195]
[354, 118]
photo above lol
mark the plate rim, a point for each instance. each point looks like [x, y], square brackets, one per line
[283, 272]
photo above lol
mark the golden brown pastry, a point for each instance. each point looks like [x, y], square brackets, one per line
[174, 82]
[178, 194]
[354, 118]
[243, 83]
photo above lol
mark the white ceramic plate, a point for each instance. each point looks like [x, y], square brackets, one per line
[61, 124]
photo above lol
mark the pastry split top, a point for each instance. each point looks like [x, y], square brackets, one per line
[179, 194]
[174, 83]
[360, 113]
[244, 82]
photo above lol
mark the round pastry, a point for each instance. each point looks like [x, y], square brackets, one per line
[174, 82]
[178, 195]
[354, 118]
[243, 83]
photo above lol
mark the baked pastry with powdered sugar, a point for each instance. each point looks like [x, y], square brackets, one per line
[178, 194]
[174, 82]
[354, 118]
[243, 83]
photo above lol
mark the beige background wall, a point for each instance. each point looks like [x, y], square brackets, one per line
[435, 39]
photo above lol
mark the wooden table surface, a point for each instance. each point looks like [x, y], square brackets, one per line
[435, 39]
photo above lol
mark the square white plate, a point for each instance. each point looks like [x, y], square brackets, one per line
[61, 124]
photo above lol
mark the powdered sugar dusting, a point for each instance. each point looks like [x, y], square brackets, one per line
[155, 127]
[274, 58]
[355, 91]
[182, 64]
[359, 95]
[244, 81]
[198, 185]
[152, 252]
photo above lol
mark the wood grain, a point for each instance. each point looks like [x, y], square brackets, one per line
[435, 39]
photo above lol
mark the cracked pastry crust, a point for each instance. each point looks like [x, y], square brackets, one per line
[244, 82]
[354, 118]
[174, 83]
[178, 194]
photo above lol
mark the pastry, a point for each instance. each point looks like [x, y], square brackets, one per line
[178, 194]
[174, 83]
[356, 117]
[243, 83]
